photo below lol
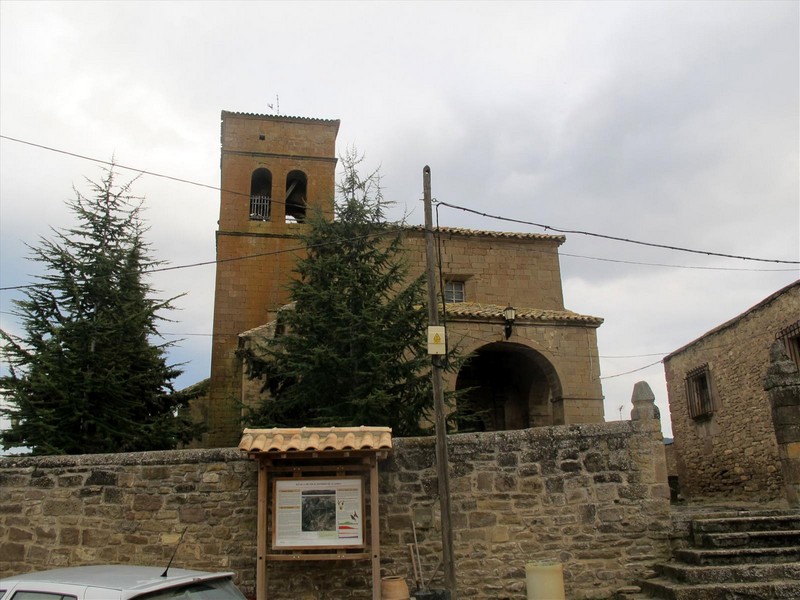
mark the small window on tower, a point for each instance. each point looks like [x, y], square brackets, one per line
[296, 183]
[454, 292]
[260, 194]
[698, 393]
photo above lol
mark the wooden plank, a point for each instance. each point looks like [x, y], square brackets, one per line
[306, 556]
[319, 468]
[261, 538]
[374, 527]
[317, 454]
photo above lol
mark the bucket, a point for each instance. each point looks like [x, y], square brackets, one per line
[545, 581]
[394, 587]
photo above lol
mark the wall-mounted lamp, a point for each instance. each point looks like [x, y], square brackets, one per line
[509, 314]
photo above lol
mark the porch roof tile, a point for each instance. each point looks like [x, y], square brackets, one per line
[474, 310]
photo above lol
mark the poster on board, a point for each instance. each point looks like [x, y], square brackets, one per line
[315, 512]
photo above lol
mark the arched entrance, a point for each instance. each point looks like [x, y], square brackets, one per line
[506, 386]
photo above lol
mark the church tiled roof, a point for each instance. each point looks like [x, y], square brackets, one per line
[493, 234]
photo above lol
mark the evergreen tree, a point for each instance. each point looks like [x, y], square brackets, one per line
[84, 376]
[352, 351]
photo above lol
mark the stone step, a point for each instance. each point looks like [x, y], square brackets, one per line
[631, 592]
[762, 590]
[747, 539]
[737, 556]
[739, 573]
[733, 556]
[775, 522]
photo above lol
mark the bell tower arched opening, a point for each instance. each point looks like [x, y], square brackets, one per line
[260, 194]
[296, 186]
[506, 386]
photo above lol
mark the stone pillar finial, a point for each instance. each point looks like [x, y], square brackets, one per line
[644, 402]
[783, 387]
[782, 371]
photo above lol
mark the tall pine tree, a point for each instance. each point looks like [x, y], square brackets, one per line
[352, 351]
[85, 375]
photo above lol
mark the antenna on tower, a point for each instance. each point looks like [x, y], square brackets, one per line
[277, 106]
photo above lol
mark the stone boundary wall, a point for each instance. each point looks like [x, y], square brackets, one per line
[60, 511]
[593, 497]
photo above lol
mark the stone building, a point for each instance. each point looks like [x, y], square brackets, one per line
[721, 416]
[275, 169]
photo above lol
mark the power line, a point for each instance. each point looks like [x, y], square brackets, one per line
[615, 238]
[632, 371]
[449, 205]
[636, 355]
[400, 228]
[110, 163]
[186, 334]
[647, 264]
[299, 248]
[560, 254]
[134, 169]
[465, 336]
[438, 203]
[386, 231]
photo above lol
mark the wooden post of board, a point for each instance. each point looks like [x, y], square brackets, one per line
[287, 454]
[261, 540]
[374, 528]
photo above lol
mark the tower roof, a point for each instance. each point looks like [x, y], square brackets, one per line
[280, 118]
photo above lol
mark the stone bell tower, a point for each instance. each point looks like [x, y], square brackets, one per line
[275, 171]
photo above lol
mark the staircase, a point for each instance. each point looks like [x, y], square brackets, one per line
[737, 556]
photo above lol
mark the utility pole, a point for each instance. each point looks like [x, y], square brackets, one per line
[442, 460]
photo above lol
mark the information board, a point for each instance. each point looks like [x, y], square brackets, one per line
[315, 512]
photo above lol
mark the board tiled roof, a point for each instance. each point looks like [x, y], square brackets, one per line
[315, 439]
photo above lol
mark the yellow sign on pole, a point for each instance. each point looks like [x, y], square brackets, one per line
[436, 341]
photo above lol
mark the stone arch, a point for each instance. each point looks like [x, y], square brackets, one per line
[506, 385]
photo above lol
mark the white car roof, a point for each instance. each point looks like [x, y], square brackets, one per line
[123, 578]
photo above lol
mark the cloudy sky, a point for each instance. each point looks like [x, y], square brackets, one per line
[673, 123]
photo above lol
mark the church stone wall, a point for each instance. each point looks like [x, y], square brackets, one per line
[593, 497]
[518, 269]
[500, 269]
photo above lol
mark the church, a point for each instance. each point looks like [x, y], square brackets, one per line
[534, 365]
